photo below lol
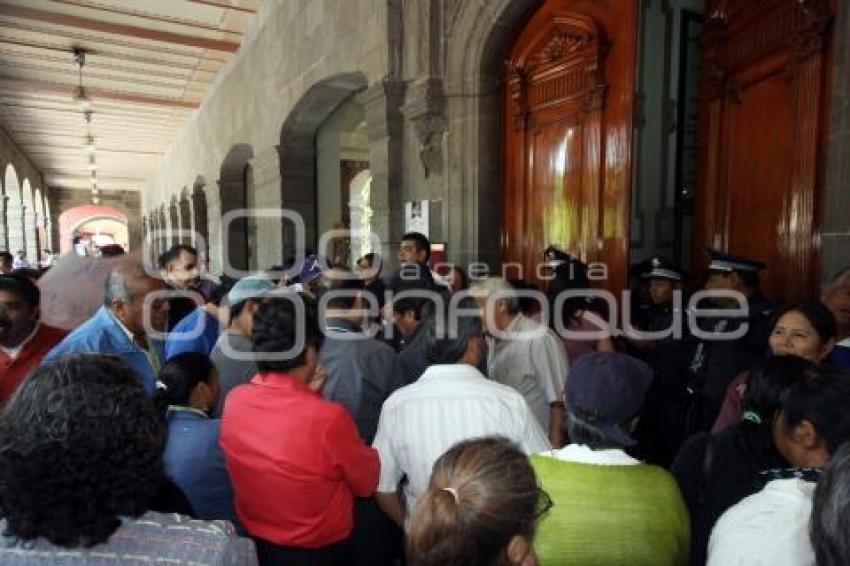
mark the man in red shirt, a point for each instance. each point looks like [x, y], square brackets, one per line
[295, 460]
[24, 340]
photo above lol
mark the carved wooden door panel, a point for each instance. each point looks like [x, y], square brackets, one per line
[764, 92]
[568, 135]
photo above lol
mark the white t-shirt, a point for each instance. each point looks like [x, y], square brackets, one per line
[769, 528]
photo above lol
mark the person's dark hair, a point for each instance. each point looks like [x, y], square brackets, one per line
[6, 256]
[768, 386]
[277, 325]
[30, 273]
[178, 377]
[80, 448]
[421, 241]
[751, 279]
[221, 290]
[413, 291]
[582, 428]
[333, 283]
[447, 337]
[527, 304]
[464, 278]
[830, 521]
[482, 493]
[22, 287]
[820, 317]
[822, 400]
[236, 310]
[371, 259]
[569, 277]
[173, 253]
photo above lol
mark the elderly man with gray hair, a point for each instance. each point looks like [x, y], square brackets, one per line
[524, 354]
[120, 327]
[836, 297]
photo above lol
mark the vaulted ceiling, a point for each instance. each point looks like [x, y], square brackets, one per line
[148, 64]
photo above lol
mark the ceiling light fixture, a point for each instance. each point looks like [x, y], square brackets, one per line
[81, 97]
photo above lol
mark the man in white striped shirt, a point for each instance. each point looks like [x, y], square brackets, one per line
[452, 401]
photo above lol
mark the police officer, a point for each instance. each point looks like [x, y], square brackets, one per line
[660, 430]
[715, 361]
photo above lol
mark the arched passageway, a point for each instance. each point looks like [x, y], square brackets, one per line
[93, 225]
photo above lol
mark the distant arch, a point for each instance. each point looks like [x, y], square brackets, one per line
[77, 217]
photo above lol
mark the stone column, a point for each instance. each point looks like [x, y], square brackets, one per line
[4, 229]
[200, 235]
[267, 244]
[298, 189]
[176, 235]
[384, 126]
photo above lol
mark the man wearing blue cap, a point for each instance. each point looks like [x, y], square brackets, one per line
[609, 508]
[712, 363]
[230, 353]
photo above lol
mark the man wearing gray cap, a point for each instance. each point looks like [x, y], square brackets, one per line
[608, 507]
[231, 353]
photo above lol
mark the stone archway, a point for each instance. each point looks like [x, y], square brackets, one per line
[298, 151]
[476, 49]
[14, 210]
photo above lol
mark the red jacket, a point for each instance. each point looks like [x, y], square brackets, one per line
[13, 372]
[296, 462]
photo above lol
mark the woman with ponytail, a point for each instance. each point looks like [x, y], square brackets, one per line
[481, 508]
[186, 390]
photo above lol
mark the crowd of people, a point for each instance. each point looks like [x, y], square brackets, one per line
[322, 414]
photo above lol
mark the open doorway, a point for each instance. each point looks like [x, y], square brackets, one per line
[666, 135]
[343, 180]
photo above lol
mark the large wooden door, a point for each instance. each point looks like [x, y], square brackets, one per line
[763, 101]
[570, 80]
